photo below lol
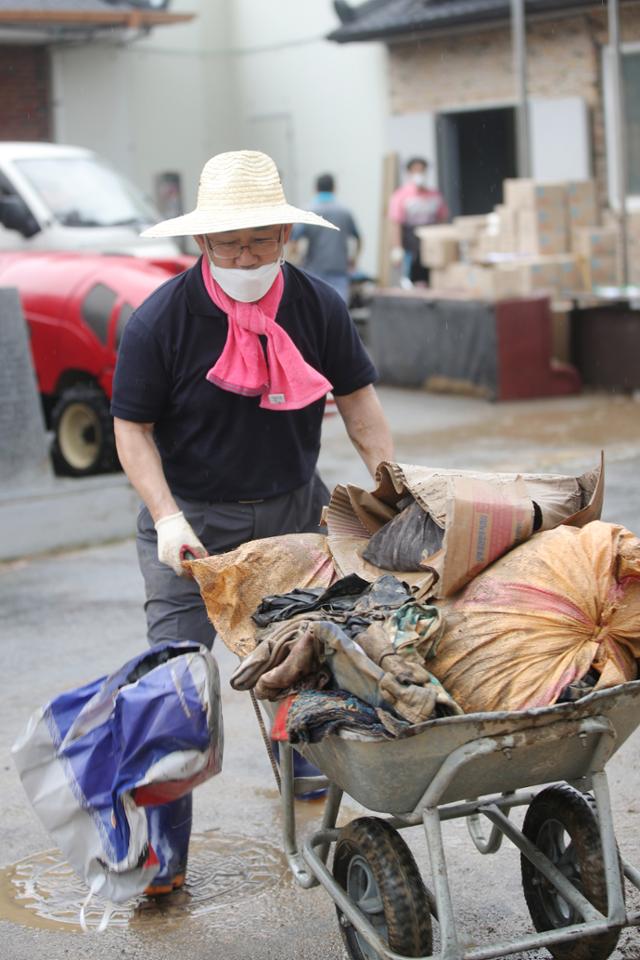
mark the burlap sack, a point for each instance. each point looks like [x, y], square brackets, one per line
[233, 584]
[541, 616]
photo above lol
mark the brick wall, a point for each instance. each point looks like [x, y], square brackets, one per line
[564, 58]
[24, 104]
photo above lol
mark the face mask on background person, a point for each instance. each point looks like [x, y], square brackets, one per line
[246, 285]
[419, 179]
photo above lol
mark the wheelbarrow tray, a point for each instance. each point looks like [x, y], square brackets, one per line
[391, 776]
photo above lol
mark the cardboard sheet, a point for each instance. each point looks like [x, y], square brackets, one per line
[483, 515]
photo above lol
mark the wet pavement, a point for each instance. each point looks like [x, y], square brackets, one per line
[73, 616]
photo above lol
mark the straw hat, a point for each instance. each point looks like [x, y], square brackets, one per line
[237, 190]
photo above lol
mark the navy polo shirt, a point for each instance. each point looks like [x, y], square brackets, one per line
[216, 445]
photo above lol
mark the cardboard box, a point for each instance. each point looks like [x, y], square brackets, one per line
[582, 203]
[594, 241]
[539, 241]
[468, 228]
[438, 245]
[569, 275]
[531, 276]
[487, 283]
[522, 193]
[542, 218]
[507, 219]
[600, 271]
[438, 278]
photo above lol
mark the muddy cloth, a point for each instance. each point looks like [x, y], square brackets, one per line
[297, 654]
[580, 688]
[316, 714]
[351, 601]
[288, 658]
[339, 597]
[406, 541]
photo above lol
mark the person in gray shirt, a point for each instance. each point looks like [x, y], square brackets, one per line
[326, 253]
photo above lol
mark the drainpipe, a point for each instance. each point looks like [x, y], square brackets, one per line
[619, 133]
[519, 46]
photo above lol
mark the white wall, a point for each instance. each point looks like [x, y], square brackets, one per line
[247, 74]
[316, 105]
[164, 102]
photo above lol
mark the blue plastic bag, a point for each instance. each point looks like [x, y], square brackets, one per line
[92, 759]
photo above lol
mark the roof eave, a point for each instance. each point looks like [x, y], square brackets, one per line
[26, 19]
[434, 27]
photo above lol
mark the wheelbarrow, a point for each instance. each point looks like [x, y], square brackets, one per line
[478, 766]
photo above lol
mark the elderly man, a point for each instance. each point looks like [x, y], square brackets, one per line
[220, 388]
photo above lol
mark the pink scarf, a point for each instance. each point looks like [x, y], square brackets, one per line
[284, 380]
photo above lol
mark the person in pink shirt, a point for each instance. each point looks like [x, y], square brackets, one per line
[413, 205]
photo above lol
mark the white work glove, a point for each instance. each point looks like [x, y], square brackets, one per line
[396, 255]
[176, 540]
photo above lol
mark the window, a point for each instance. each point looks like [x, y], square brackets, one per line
[125, 312]
[96, 310]
[630, 77]
[631, 88]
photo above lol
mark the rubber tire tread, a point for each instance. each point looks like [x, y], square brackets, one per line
[107, 459]
[404, 898]
[578, 814]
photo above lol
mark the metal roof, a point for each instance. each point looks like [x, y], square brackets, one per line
[392, 19]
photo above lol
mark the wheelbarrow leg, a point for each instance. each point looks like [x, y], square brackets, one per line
[450, 948]
[297, 863]
[615, 896]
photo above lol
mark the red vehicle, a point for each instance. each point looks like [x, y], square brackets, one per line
[76, 306]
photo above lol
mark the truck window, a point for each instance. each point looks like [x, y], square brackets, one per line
[96, 309]
[125, 312]
[86, 192]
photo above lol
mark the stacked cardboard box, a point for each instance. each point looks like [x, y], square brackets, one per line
[483, 282]
[439, 245]
[541, 215]
[598, 253]
[582, 204]
[545, 236]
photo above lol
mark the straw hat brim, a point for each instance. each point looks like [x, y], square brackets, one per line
[220, 220]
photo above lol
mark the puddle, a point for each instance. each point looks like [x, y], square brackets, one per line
[42, 890]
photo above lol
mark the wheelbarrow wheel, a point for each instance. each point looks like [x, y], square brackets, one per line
[563, 824]
[375, 867]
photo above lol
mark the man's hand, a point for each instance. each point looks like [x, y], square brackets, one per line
[396, 255]
[176, 540]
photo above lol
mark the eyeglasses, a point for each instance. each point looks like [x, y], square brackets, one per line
[231, 250]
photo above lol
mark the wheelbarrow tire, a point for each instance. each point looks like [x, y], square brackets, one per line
[555, 813]
[373, 864]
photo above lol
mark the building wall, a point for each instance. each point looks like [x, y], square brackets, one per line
[149, 104]
[316, 106]
[564, 58]
[24, 82]
[241, 75]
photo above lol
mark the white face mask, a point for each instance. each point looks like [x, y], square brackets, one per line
[247, 286]
[419, 179]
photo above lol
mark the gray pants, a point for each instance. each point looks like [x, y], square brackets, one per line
[174, 607]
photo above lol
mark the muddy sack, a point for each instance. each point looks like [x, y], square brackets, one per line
[541, 617]
[92, 759]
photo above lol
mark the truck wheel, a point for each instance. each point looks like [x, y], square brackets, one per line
[563, 824]
[84, 442]
[375, 867]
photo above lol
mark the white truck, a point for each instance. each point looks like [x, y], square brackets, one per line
[55, 197]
